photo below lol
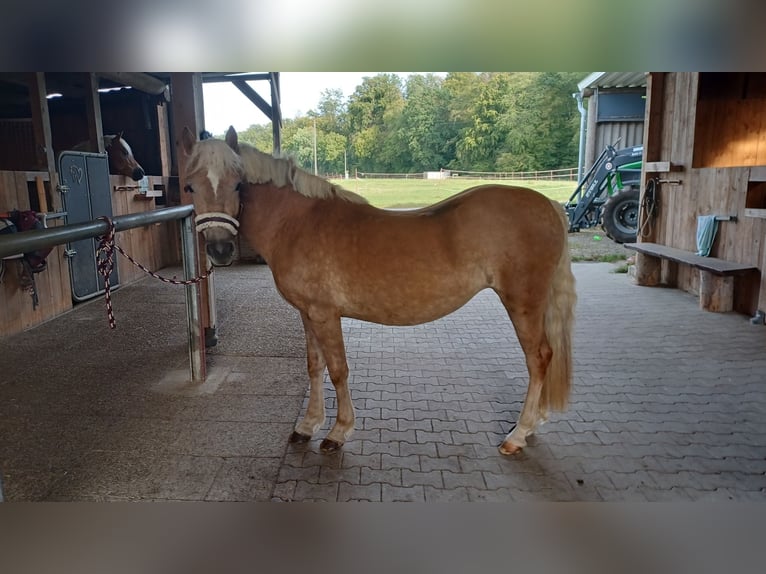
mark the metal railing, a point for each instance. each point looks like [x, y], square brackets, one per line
[26, 241]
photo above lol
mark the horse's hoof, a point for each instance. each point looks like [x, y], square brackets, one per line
[509, 448]
[329, 446]
[298, 437]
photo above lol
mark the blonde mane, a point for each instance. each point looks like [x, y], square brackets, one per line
[282, 172]
[214, 156]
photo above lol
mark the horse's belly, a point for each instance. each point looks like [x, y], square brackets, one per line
[394, 305]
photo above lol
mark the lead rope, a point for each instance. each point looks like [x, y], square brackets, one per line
[105, 265]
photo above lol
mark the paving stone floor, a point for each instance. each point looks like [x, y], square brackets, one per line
[669, 404]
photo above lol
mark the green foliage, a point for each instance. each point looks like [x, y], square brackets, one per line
[504, 121]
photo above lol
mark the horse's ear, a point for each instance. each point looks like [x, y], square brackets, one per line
[118, 136]
[188, 140]
[231, 139]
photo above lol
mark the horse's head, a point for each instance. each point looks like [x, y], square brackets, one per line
[214, 173]
[121, 160]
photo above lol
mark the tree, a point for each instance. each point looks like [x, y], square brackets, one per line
[331, 111]
[373, 113]
[478, 145]
[542, 125]
[426, 129]
[260, 136]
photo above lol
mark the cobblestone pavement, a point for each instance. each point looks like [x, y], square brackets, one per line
[669, 403]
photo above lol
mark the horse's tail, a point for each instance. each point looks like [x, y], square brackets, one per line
[559, 320]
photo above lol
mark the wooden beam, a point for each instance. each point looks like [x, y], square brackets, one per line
[655, 104]
[231, 77]
[253, 96]
[186, 108]
[93, 112]
[41, 124]
[163, 129]
[276, 107]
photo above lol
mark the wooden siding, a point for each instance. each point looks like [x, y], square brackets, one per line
[156, 246]
[53, 289]
[683, 127]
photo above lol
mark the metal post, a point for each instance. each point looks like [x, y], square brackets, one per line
[581, 148]
[189, 256]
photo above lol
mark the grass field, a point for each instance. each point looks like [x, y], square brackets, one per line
[400, 193]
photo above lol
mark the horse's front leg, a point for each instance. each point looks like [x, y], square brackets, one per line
[315, 416]
[329, 336]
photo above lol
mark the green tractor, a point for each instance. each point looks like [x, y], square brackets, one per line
[609, 195]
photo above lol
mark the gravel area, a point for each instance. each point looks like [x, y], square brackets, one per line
[594, 245]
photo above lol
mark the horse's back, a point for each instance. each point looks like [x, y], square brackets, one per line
[502, 219]
[412, 266]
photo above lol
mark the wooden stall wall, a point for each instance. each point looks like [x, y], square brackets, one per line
[706, 188]
[155, 246]
[53, 288]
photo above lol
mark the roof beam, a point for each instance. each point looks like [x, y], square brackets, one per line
[231, 77]
[253, 96]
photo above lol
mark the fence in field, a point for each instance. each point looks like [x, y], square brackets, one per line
[566, 174]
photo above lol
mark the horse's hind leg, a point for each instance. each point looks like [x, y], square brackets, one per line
[528, 321]
[329, 336]
[316, 364]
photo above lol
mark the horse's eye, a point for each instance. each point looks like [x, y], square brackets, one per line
[188, 189]
[239, 186]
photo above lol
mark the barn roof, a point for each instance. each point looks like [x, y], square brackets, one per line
[611, 80]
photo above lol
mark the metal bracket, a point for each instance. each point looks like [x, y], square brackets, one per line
[62, 188]
[69, 253]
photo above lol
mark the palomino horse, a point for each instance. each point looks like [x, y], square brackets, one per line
[121, 160]
[333, 255]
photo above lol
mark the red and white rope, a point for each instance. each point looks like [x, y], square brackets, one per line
[105, 265]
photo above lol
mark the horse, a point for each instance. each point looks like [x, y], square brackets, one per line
[121, 160]
[333, 255]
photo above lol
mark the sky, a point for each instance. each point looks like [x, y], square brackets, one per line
[225, 105]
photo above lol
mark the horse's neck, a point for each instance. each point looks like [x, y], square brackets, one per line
[266, 215]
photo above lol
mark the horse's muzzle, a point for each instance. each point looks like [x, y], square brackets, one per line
[220, 253]
[138, 174]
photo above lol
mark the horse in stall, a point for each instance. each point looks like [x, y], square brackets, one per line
[121, 159]
[333, 255]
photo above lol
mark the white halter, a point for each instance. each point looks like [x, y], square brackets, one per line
[216, 219]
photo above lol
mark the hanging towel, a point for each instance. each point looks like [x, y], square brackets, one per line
[707, 225]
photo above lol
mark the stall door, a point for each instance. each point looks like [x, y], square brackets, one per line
[86, 196]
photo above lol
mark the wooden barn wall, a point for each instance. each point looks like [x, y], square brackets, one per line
[706, 189]
[155, 246]
[144, 123]
[53, 288]
[17, 144]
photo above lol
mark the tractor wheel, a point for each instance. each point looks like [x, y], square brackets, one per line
[620, 219]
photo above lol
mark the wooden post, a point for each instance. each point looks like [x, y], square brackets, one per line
[716, 292]
[93, 112]
[45, 159]
[163, 127]
[41, 123]
[648, 269]
[187, 111]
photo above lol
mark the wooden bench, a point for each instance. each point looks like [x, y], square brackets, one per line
[716, 286]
